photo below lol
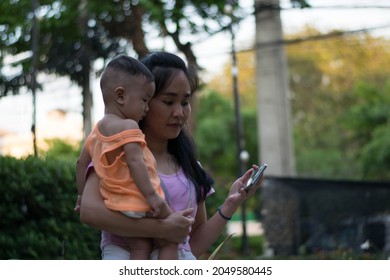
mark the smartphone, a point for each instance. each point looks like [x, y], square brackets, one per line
[256, 176]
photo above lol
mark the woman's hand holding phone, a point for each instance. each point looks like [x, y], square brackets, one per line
[256, 176]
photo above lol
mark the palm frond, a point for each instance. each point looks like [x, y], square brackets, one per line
[212, 256]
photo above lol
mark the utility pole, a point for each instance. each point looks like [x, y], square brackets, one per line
[242, 154]
[273, 94]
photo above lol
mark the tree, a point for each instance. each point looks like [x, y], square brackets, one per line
[246, 64]
[367, 121]
[69, 43]
[324, 75]
[75, 34]
[215, 125]
[325, 79]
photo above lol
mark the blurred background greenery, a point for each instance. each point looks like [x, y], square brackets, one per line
[340, 99]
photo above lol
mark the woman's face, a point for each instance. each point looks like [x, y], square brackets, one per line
[169, 109]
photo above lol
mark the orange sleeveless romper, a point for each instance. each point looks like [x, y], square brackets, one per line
[117, 187]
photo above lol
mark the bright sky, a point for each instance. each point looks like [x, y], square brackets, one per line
[214, 52]
[16, 112]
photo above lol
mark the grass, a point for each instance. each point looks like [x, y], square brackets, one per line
[250, 216]
[232, 250]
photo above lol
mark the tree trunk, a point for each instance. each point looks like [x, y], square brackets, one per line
[85, 62]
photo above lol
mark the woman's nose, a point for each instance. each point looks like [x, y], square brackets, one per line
[178, 111]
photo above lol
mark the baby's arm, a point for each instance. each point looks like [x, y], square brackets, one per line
[94, 213]
[81, 167]
[139, 172]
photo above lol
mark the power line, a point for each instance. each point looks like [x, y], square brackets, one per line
[333, 34]
[320, 36]
[341, 7]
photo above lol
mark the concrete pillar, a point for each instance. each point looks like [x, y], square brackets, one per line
[273, 97]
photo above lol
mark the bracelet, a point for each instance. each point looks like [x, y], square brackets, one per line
[222, 215]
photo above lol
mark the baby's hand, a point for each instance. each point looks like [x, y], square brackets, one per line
[165, 210]
[159, 206]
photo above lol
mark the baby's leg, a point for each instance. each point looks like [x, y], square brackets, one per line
[140, 248]
[168, 252]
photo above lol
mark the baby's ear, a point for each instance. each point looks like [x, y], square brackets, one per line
[119, 94]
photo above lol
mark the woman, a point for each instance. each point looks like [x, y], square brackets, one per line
[186, 182]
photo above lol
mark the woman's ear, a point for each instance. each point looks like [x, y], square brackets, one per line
[120, 95]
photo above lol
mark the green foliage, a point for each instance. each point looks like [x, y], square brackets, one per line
[337, 133]
[73, 35]
[300, 4]
[249, 118]
[61, 149]
[328, 138]
[217, 147]
[213, 135]
[38, 221]
[368, 121]
[255, 244]
[63, 49]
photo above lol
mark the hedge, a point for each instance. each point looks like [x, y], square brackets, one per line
[37, 218]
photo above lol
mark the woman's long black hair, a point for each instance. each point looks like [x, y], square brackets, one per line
[163, 66]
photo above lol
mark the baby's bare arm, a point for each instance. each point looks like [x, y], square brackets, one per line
[139, 172]
[94, 213]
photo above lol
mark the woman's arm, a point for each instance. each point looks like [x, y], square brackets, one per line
[206, 232]
[93, 212]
